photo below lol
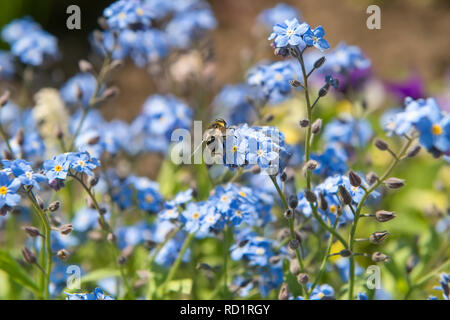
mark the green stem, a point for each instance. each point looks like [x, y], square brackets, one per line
[177, 262]
[107, 229]
[366, 195]
[325, 259]
[291, 222]
[153, 257]
[309, 113]
[99, 81]
[47, 230]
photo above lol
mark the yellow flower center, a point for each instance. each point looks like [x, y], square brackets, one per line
[29, 174]
[278, 76]
[321, 295]
[3, 190]
[242, 194]
[58, 168]
[234, 149]
[436, 130]
[196, 215]
[290, 32]
[140, 12]
[238, 213]
[260, 153]
[81, 163]
[122, 15]
[333, 208]
[260, 251]
[224, 198]
[149, 198]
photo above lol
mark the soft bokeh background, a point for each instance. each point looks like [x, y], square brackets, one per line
[413, 37]
[413, 40]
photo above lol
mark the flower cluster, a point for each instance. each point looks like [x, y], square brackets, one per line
[330, 203]
[281, 12]
[263, 147]
[427, 119]
[292, 34]
[146, 30]
[150, 131]
[29, 42]
[57, 168]
[231, 205]
[273, 80]
[96, 295]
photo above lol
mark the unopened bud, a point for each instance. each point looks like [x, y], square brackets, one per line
[294, 52]
[268, 118]
[283, 176]
[394, 183]
[316, 126]
[303, 278]
[7, 155]
[103, 23]
[344, 196]
[383, 216]
[93, 141]
[304, 123]
[4, 98]
[414, 151]
[345, 253]
[40, 202]
[93, 181]
[295, 83]
[284, 292]
[98, 36]
[110, 93]
[319, 63]
[255, 169]
[32, 231]
[294, 267]
[380, 257]
[371, 177]
[355, 180]
[28, 256]
[293, 201]
[281, 52]
[289, 214]
[381, 145]
[62, 254]
[20, 137]
[54, 206]
[85, 66]
[122, 260]
[378, 237]
[322, 202]
[111, 237]
[323, 91]
[274, 259]
[410, 264]
[59, 133]
[294, 244]
[310, 196]
[66, 229]
[311, 165]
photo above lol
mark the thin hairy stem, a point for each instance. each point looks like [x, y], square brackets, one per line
[357, 212]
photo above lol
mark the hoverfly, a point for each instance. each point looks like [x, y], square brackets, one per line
[219, 126]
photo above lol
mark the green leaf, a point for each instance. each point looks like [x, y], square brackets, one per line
[183, 286]
[99, 274]
[16, 272]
